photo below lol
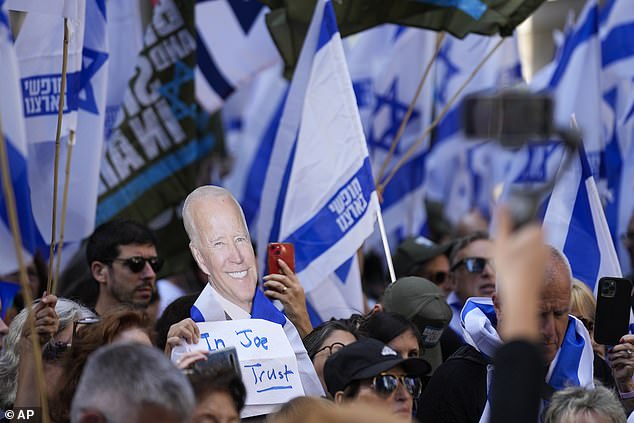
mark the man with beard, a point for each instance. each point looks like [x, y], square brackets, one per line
[123, 260]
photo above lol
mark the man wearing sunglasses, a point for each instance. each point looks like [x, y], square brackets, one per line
[418, 256]
[123, 260]
[472, 273]
[368, 371]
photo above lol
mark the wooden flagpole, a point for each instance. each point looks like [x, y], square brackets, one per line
[443, 112]
[410, 109]
[9, 195]
[58, 135]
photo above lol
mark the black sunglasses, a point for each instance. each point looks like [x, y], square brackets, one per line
[437, 277]
[386, 384]
[472, 264]
[137, 263]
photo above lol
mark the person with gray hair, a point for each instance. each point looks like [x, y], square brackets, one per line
[131, 383]
[17, 372]
[580, 405]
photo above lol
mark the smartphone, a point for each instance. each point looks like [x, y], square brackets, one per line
[512, 117]
[612, 317]
[226, 358]
[280, 250]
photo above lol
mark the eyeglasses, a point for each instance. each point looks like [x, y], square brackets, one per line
[386, 384]
[437, 277]
[332, 348]
[137, 263]
[472, 264]
[78, 324]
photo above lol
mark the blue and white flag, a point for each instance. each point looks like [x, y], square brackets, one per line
[250, 128]
[39, 50]
[14, 136]
[616, 29]
[125, 40]
[233, 45]
[386, 65]
[575, 223]
[460, 173]
[319, 188]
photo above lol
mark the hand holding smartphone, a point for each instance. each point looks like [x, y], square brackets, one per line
[280, 250]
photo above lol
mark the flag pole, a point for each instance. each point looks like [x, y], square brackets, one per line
[60, 115]
[410, 109]
[443, 112]
[386, 244]
[9, 195]
[69, 155]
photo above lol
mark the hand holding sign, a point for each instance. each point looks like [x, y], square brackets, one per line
[267, 360]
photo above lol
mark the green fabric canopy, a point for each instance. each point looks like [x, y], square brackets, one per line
[289, 19]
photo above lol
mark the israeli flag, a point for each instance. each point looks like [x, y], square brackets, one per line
[125, 40]
[233, 45]
[616, 31]
[251, 119]
[39, 49]
[319, 188]
[14, 137]
[386, 64]
[575, 223]
[460, 173]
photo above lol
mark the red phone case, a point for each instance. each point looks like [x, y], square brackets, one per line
[280, 250]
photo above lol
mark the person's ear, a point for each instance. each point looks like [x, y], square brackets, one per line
[339, 397]
[199, 259]
[378, 308]
[496, 304]
[99, 271]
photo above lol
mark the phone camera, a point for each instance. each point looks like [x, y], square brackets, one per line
[608, 289]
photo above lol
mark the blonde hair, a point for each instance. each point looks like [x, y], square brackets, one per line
[582, 302]
[583, 306]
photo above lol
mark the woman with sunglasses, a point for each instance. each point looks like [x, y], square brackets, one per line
[370, 372]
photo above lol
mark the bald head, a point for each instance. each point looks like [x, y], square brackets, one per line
[554, 303]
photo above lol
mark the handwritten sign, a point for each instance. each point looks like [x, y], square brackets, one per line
[267, 360]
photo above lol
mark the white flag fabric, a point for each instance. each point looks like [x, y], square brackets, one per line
[462, 173]
[39, 49]
[233, 45]
[125, 39]
[319, 190]
[575, 224]
[616, 32]
[14, 135]
[386, 65]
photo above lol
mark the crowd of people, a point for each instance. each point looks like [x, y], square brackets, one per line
[474, 329]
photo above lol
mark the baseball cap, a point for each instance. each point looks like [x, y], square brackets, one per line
[365, 359]
[424, 303]
[415, 251]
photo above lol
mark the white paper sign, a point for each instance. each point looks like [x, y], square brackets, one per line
[267, 360]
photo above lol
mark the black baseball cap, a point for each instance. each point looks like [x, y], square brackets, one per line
[365, 359]
[415, 251]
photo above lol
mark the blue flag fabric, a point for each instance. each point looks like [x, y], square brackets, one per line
[232, 46]
[14, 136]
[616, 31]
[319, 184]
[386, 64]
[575, 224]
[462, 174]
